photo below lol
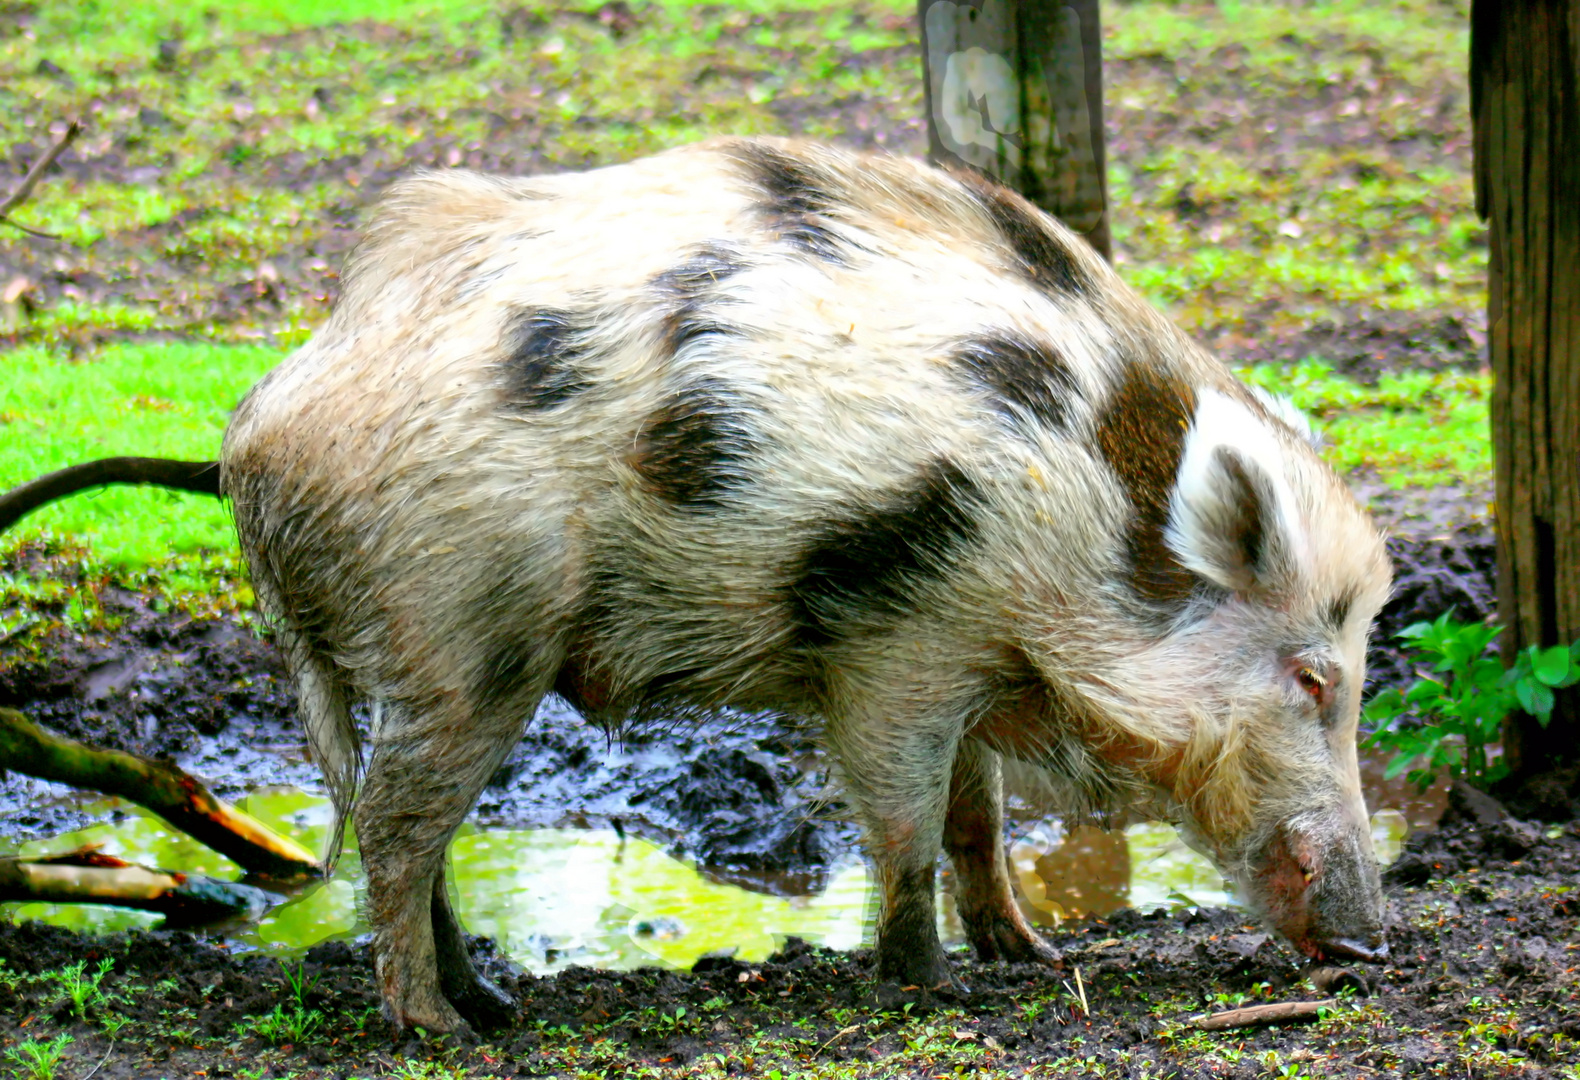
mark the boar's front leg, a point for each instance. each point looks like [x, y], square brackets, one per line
[974, 839]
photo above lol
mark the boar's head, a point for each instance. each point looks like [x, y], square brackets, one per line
[1267, 779]
[1241, 712]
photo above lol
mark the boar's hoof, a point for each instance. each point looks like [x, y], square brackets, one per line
[1374, 950]
[1014, 944]
[483, 1003]
[437, 1018]
[919, 969]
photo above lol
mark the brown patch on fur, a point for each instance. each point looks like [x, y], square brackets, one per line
[1141, 433]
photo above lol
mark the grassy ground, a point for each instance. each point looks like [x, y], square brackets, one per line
[1288, 181]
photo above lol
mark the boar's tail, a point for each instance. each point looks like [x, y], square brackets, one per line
[201, 477]
[324, 704]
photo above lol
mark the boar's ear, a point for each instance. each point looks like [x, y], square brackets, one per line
[1229, 517]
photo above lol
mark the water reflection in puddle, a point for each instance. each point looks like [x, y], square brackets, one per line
[556, 897]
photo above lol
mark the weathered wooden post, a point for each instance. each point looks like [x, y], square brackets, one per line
[1015, 89]
[1525, 105]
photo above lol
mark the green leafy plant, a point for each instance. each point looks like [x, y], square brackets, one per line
[298, 982]
[294, 1025]
[83, 990]
[1462, 712]
[36, 1058]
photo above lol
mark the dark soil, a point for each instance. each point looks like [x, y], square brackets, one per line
[1485, 926]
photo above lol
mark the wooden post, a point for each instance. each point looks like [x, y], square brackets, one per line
[1014, 88]
[1525, 106]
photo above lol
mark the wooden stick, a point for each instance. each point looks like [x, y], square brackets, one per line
[200, 477]
[30, 181]
[161, 787]
[1279, 1012]
[91, 877]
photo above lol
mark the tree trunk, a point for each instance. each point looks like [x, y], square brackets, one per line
[1525, 105]
[1015, 89]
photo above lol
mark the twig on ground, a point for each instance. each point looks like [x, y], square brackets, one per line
[838, 1035]
[160, 786]
[100, 1065]
[1278, 1012]
[88, 876]
[30, 181]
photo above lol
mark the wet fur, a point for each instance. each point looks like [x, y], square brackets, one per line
[770, 426]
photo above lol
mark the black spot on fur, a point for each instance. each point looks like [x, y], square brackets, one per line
[1141, 433]
[543, 350]
[693, 451]
[1338, 612]
[707, 266]
[688, 287]
[870, 567]
[1042, 256]
[1030, 381]
[799, 201]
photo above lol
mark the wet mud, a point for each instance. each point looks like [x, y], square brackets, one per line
[1482, 981]
[744, 796]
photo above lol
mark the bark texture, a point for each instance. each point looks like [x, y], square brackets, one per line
[1015, 89]
[1525, 102]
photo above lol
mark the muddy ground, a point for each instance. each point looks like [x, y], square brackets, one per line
[1485, 930]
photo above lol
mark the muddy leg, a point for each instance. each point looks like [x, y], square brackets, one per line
[974, 838]
[897, 775]
[423, 777]
[474, 997]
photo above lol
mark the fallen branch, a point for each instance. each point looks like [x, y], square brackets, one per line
[30, 181]
[89, 876]
[199, 477]
[161, 787]
[1279, 1012]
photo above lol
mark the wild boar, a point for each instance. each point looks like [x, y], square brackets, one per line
[763, 425]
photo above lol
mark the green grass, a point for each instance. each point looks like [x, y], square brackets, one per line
[213, 195]
[1413, 428]
[157, 400]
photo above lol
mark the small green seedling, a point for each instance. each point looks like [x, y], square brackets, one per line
[1469, 702]
[83, 990]
[36, 1059]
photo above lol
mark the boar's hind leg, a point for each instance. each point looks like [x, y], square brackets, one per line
[974, 839]
[474, 997]
[897, 776]
[426, 770]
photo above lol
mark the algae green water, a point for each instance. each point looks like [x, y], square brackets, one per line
[556, 897]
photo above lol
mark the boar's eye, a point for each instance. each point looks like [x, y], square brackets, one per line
[1313, 684]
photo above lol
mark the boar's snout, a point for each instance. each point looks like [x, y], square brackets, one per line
[1321, 890]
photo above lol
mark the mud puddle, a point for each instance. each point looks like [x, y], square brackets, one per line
[552, 898]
